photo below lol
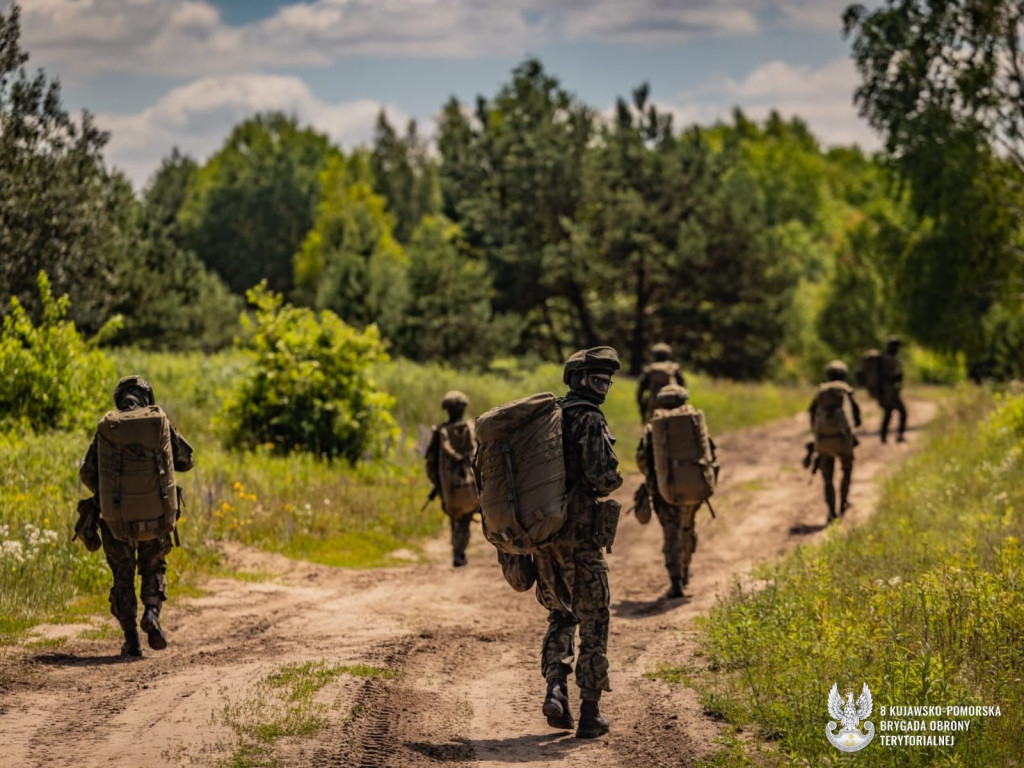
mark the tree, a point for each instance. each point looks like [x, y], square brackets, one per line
[350, 262]
[249, 208]
[404, 175]
[58, 206]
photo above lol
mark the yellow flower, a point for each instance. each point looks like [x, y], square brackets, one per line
[46, 521]
[287, 506]
[20, 497]
[181, 519]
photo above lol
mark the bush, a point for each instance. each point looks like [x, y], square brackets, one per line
[50, 377]
[310, 388]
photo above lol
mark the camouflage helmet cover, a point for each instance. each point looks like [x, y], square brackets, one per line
[661, 350]
[454, 399]
[603, 359]
[134, 382]
[672, 396]
[837, 368]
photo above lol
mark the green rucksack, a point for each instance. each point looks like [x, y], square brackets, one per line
[521, 467]
[870, 374]
[832, 433]
[459, 492]
[137, 490]
[682, 456]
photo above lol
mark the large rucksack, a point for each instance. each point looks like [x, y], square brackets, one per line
[660, 374]
[870, 374]
[455, 468]
[832, 433]
[137, 491]
[683, 463]
[522, 473]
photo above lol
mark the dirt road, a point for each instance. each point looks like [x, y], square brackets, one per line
[466, 646]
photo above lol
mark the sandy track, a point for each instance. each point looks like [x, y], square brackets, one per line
[467, 646]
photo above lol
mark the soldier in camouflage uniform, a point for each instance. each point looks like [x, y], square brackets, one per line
[836, 374]
[653, 377]
[891, 386]
[572, 574]
[455, 403]
[677, 523]
[149, 556]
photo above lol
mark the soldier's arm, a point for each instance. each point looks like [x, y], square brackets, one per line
[598, 462]
[856, 410]
[642, 385]
[714, 449]
[680, 379]
[811, 410]
[89, 472]
[641, 456]
[431, 457]
[181, 449]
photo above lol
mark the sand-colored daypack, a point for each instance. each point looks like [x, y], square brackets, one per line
[137, 491]
[458, 480]
[522, 473]
[832, 433]
[659, 374]
[683, 462]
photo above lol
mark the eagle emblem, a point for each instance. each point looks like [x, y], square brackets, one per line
[847, 717]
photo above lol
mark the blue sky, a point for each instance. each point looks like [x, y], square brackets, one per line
[160, 73]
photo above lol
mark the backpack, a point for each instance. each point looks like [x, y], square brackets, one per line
[137, 491]
[660, 374]
[455, 471]
[521, 466]
[832, 434]
[870, 374]
[682, 456]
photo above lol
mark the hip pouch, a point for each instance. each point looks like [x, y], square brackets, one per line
[519, 570]
[606, 522]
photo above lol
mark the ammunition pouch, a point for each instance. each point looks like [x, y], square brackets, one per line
[87, 527]
[606, 522]
[519, 570]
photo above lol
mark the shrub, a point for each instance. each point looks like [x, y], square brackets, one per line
[50, 377]
[310, 388]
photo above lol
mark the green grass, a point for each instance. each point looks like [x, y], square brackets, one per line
[924, 603]
[284, 705]
[297, 505]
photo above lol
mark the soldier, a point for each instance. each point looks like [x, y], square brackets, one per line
[891, 385]
[572, 574]
[129, 534]
[677, 522]
[449, 467]
[658, 374]
[833, 438]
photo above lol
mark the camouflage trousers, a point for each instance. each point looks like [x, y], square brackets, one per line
[894, 402]
[151, 559]
[828, 471]
[460, 532]
[680, 537]
[572, 583]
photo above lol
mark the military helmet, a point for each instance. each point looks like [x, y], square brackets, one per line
[661, 351]
[454, 399]
[836, 369]
[671, 396]
[603, 359]
[892, 343]
[134, 384]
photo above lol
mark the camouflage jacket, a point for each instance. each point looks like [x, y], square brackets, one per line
[591, 467]
[89, 473]
[432, 458]
[848, 392]
[643, 384]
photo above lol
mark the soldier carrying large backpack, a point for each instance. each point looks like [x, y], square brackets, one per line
[544, 462]
[130, 468]
[882, 375]
[677, 458]
[833, 437]
[449, 464]
[656, 375]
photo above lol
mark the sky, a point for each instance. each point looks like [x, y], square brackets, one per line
[164, 73]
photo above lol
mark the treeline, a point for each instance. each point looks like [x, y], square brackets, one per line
[530, 225]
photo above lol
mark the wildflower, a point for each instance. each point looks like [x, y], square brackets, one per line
[308, 507]
[287, 506]
[20, 497]
[46, 521]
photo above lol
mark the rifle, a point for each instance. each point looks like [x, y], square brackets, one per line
[430, 498]
[811, 460]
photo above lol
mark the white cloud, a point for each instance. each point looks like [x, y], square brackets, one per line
[822, 97]
[198, 116]
[188, 38]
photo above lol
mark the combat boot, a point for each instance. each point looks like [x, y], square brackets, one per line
[591, 724]
[151, 626]
[556, 705]
[131, 646]
[676, 590]
[459, 559]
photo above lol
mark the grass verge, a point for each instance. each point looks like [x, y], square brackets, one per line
[924, 603]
